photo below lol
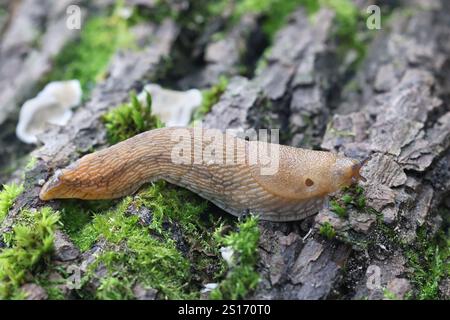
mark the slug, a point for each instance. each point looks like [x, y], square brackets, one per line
[296, 190]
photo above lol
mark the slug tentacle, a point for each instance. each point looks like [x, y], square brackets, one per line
[294, 188]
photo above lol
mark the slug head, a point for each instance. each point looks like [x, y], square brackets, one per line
[55, 187]
[89, 178]
[346, 171]
[306, 174]
[71, 182]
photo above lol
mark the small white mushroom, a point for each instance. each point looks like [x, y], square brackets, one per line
[52, 106]
[174, 108]
[227, 254]
[209, 287]
[125, 12]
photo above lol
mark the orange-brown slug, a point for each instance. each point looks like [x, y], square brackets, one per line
[295, 190]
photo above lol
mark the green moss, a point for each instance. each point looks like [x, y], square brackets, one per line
[159, 11]
[242, 276]
[274, 12]
[8, 195]
[112, 288]
[347, 32]
[346, 14]
[429, 260]
[191, 214]
[389, 234]
[210, 98]
[338, 209]
[330, 130]
[150, 255]
[352, 197]
[31, 163]
[112, 225]
[150, 263]
[86, 58]
[130, 119]
[348, 22]
[30, 243]
[137, 257]
[389, 295]
[174, 204]
[347, 199]
[263, 61]
[326, 230]
[75, 215]
[54, 293]
[51, 278]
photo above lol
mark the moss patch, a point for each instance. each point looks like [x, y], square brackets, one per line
[274, 12]
[173, 252]
[7, 197]
[130, 119]
[348, 19]
[86, 58]
[76, 215]
[351, 197]
[143, 259]
[242, 277]
[29, 244]
[327, 230]
[349, 30]
[429, 260]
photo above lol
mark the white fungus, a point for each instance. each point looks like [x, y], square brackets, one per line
[174, 108]
[227, 254]
[52, 106]
[209, 287]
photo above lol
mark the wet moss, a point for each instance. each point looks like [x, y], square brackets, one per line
[274, 12]
[327, 230]
[349, 29]
[87, 57]
[173, 251]
[160, 10]
[76, 215]
[429, 262]
[30, 244]
[427, 258]
[338, 209]
[350, 197]
[242, 276]
[151, 254]
[130, 119]
[8, 195]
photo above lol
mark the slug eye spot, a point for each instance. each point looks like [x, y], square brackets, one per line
[309, 182]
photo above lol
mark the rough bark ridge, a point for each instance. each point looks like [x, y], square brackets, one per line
[24, 59]
[290, 93]
[398, 119]
[85, 130]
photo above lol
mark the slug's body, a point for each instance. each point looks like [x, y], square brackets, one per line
[296, 190]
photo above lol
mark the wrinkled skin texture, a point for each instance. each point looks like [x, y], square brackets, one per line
[295, 186]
